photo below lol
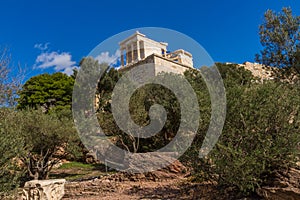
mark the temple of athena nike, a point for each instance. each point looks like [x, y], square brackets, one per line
[137, 49]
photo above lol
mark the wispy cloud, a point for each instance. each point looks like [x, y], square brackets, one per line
[104, 57]
[42, 46]
[58, 61]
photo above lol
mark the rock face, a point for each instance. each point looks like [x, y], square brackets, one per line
[258, 70]
[43, 190]
[286, 185]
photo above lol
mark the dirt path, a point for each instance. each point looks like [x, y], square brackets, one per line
[158, 185]
[171, 182]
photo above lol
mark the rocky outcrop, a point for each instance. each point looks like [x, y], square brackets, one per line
[286, 185]
[258, 70]
[43, 190]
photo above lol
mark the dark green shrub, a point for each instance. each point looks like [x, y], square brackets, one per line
[260, 134]
[11, 148]
[44, 134]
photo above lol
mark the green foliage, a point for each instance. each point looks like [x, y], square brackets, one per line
[145, 97]
[260, 135]
[47, 91]
[32, 138]
[11, 147]
[11, 144]
[233, 75]
[74, 165]
[105, 87]
[280, 37]
[44, 134]
[139, 105]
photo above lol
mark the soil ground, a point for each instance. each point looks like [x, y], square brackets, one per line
[91, 184]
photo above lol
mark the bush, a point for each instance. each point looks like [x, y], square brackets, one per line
[44, 134]
[260, 134]
[140, 102]
[11, 147]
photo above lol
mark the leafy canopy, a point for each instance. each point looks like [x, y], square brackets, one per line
[47, 91]
[280, 38]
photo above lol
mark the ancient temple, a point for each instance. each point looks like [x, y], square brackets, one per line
[137, 49]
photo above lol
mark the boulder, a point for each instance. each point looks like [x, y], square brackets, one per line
[147, 162]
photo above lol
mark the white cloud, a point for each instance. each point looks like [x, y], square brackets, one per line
[104, 57]
[69, 70]
[63, 61]
[59, 61]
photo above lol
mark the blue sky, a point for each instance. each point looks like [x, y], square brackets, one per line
[228, 30]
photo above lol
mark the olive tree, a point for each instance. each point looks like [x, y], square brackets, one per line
[47, 139]
[11, 148]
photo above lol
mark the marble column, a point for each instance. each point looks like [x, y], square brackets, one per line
[132, 53]
[122, 57]
[127, 55]
[138, 50]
